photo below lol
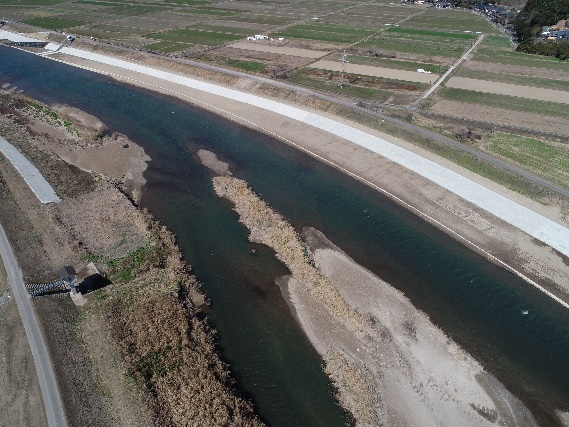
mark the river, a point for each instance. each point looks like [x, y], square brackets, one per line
[478, 304]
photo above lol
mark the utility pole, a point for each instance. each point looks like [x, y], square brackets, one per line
[343, 60]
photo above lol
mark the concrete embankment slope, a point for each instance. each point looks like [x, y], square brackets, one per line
[33, 177]
[417, 178]
[532, 223]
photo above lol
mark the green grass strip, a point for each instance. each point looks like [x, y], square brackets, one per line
[432, 33]
[54, 23]
[546, 160]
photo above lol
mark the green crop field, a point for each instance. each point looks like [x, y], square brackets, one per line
[370, 94]
[517, 58]
[429, 33]
[167, 47]
[515, 79]
[251, 66]
[496, 41]
[195, 37]
[542, 158]
[506, 102]
[450, 20]
[240, 31]
[391, 63]
[261, 19]
[420, 45]
[54, 23]
[326, 32]
[30, 2]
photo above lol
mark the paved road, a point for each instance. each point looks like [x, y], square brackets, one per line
[33, 177]
[46, 376]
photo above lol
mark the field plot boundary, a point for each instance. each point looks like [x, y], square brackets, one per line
[281, 50]
[370, 70]
[519, 91]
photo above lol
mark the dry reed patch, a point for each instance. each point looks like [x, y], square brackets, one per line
[268, 227]
[168, 346]
[357, 390]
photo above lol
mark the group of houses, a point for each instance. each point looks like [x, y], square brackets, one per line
[559, 31]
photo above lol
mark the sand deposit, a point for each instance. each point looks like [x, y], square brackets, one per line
[418, 375]
[391, 365]
[211, 161]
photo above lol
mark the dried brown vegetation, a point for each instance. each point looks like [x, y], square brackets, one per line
[169, 349]
[271, 229]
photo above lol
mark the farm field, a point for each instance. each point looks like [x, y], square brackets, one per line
[442, 47]
[505, 102]
[397, 64]
[281, 50]
[451, 20]
[510, 57]
[507, 89]
[545, 159]
[515, 79]
[335, 33]
[366, 70]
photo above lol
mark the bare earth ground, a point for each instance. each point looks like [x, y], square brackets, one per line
[509, 89]
[21, 404]
[368, 70]
[497, 115]
[270, 58]
[501, 240]
[516, 69]
[420, 377]
[281, 50]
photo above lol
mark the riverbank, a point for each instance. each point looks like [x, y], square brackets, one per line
[121, 374]
[390, 364]
[499, 242]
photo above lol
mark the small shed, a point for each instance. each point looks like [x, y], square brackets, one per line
[68, 274]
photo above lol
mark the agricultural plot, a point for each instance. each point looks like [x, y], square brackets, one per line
[545, 159]
[196, 37]
[511, 57]
[528, 92]
[451, 20]
[334, 33]
[371, 16]
[54, 23]
[440, 47]
[397, 64]
[515, 79]
[367, 70]
[329, 82]
[511, 103]
[280, 50]
[167, 47]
